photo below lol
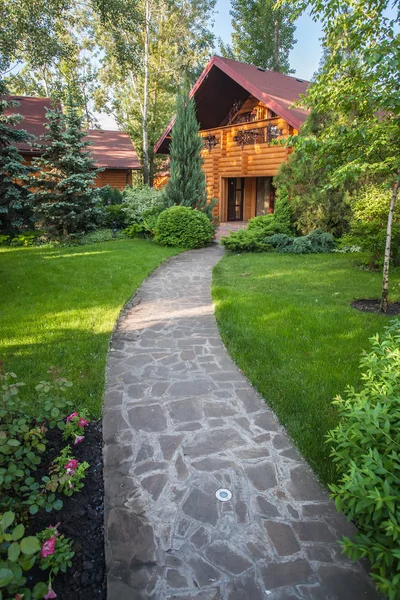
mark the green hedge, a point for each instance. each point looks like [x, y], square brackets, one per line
[184, 227]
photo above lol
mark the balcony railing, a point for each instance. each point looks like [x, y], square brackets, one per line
[243, 134]
[260, 135]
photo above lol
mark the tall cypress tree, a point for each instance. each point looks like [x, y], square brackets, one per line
[13, 173]
[187, 184]
[64, 198]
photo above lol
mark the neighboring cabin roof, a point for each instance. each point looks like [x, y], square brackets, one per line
[225, 80]
[110, 149]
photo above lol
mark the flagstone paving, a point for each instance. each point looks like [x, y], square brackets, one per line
[180, 422]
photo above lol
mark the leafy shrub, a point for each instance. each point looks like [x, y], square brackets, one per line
[4, 239]
[26, 238]
[135, 230]
[114, 216]
[184, 227]
[100, 235]
[246, 240]
[370, 207]
[283, 211]
[366, 452]
[267, 225]
[140, 199]
[110, 196]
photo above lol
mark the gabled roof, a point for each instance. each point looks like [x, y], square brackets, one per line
[225, 80]
[110, 149]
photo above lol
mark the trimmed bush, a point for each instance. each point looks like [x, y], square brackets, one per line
[366, 452]
[268, 225]
[246, 240]
[184, 227]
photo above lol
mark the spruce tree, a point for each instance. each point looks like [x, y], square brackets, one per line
[64, 198]
[14, 213]
[187, 183]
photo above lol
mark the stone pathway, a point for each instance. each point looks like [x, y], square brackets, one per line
[180, 422]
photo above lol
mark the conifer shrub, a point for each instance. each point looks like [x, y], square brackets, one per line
[268, 225]
[366, 451]
[283, 211]
[246, 240]
[184, 227]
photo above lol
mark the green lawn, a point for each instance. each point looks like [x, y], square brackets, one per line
[288, 324]
[59, 306]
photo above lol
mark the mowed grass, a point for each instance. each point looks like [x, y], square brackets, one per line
[59, 306]
[288, 324]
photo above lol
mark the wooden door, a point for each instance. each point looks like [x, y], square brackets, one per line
[235, 198]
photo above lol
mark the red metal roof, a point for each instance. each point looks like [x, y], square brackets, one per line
[225, 80]
[110, 149]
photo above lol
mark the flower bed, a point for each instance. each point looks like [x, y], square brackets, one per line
[51, 498]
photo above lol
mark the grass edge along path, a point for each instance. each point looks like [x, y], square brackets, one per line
[58, 306]
[287, 322]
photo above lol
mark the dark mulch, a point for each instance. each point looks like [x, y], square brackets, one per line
[375, 307]
[81, 519]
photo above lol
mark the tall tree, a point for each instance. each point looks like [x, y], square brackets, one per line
[263, 34]
[187, 184]
[63, 197]
[13, 173]
[359, 81]
[148, 53]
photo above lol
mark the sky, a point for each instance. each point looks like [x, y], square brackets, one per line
[304, 57]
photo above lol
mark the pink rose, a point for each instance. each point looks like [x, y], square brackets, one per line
[54, 527]
[82, 422]
[78, 439]
[71, 464]
[50, 594]
[72, 416]
[48, 547]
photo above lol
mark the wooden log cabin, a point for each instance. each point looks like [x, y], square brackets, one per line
[241, 109]
[112, 151]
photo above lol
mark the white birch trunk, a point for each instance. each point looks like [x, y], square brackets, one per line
[146, 94]
[385, 278]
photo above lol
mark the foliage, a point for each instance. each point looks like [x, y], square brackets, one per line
[75, 426]
[140, 199]
[110, 196]
[370, 205]
[359, 85]
[294, 315]
[96, 237]
[23, 441]
[283, 211]
[115, 216]
[14, 213]
[18, 553]
[26, 238]
[268, 224]
[187, 183]
[66, 474]
[63, 196]
[263, 34]
[246, 240]
[184, 227]
[304, 181]
[365, 450]
[314, 243]
[59, 552]
[149, 49]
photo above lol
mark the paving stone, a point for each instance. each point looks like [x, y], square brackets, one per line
[319, 553]
[154, 484]
[201, 507]
[150, 465]
[244, 588]
[175, 579]
[251, 400]
[310, 531]
[252, 453]
[224, 557]
[181, 468]
[212, 464]
[267, 509]
[346, 584]
[196, 387]
[304, 485]
[148, 418]
[267, 421]
[212, 442]
[137, 391]
[288, 573]
[113, 424]
[217, 409]
[282, 537]
[262, 475]
[204, 574]
[131, 537]
[200, 538]
[146, 451]
[185, 410]
[169, 444]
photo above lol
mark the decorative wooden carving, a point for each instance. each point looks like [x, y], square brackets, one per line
[262, 135]
[210, 141]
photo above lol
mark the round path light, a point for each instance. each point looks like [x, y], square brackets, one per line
[223, 495]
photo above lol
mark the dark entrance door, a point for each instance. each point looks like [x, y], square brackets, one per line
[235, 198]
